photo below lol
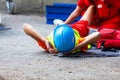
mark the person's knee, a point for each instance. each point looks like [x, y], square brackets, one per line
[26, 28]
[97, 34]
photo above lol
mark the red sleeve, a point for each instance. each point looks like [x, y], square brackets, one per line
[83, 3]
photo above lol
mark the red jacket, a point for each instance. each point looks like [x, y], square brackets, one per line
[107, 13]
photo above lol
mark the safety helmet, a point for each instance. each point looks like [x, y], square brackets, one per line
[63, 38]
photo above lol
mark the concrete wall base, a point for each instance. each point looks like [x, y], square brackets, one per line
[33, 5]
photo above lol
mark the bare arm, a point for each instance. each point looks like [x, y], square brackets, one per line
[88, 14]
[92, 38]
[73, 15]
[29, 30]
[88, 40]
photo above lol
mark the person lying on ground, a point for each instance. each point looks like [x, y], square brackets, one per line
[66, 38]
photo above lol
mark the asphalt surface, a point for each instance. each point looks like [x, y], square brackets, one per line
[22, 59]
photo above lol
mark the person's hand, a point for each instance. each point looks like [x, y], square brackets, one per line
[50, 48]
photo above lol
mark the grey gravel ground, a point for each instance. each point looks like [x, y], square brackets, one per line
[22, 59]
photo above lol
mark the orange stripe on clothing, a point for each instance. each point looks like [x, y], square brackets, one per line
[84, 48]
[42, 44]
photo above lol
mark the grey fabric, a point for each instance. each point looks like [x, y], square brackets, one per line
[93, 53]
[2, 27]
